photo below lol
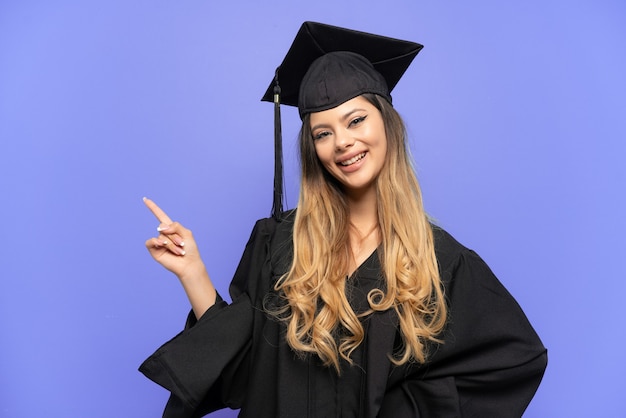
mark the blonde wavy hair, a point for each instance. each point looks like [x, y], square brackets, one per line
[316, 310]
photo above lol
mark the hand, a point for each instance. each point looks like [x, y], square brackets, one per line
[174, 248]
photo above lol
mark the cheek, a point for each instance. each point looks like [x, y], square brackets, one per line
[384, 145]
[323, 152]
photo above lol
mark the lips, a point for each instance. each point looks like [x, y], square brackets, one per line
[350, 161]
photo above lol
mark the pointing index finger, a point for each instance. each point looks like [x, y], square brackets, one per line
[157, 212]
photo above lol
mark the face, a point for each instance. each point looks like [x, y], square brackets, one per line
[351, 144]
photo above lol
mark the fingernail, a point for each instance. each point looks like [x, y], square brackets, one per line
[162, 228]
[182, 243]
[164, 242]
[182, 252]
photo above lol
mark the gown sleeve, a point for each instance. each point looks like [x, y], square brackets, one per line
[204, 367]
[491, 361]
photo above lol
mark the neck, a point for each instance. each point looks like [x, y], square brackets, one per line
[363, 232]
[363, 209]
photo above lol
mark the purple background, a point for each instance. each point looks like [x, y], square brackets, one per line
[517, 114]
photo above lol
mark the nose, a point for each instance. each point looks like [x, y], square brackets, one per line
[343, 140]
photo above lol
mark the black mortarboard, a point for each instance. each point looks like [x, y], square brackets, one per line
[328, 65]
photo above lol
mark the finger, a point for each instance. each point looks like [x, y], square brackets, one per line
[173, 231]
[163, 243]
[174, 237]
[153, 243]
[157, 212]
[172, 247]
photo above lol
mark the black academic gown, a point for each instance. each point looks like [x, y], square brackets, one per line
[490, 364]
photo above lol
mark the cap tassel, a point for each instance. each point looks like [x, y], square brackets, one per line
[277, 206]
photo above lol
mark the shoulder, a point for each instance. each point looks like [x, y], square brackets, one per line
[447, 249]
[268, 230]
[274, 232]
[275, 237]
[454, 257]
[267, 252]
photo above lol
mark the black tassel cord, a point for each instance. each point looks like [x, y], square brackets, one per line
[277, 206]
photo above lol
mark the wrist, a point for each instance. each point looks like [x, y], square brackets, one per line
[194, 276]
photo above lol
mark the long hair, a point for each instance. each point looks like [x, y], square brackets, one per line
[317, 313]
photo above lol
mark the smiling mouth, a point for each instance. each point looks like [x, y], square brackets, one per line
[352, 160]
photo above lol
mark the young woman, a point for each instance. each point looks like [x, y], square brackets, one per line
[354, 304]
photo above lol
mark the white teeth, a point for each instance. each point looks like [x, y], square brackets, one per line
[352, 160]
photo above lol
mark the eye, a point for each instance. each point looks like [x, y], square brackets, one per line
[320, 135]
[357, 121]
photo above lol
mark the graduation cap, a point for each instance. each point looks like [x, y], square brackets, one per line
[327, 66]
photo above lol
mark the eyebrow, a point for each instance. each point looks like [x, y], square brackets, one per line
[343, 118]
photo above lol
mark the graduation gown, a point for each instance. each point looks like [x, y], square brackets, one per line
[489, 365]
